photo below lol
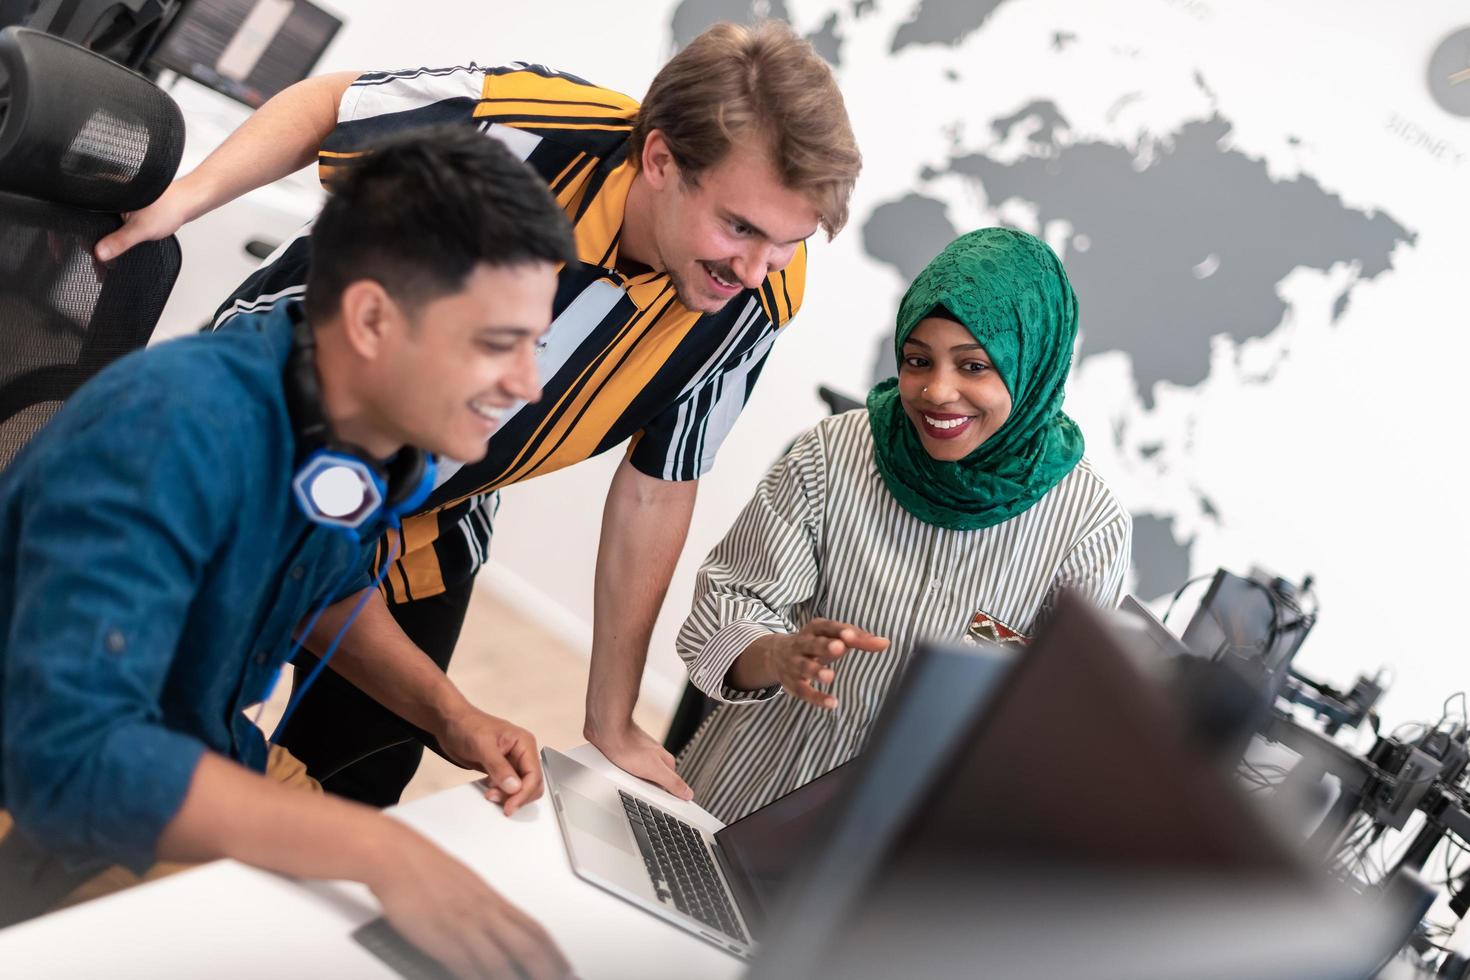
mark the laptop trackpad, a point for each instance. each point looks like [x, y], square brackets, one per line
[606, 824]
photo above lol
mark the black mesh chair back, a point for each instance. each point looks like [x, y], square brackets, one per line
[81, 140]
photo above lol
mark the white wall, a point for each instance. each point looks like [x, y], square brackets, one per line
[1345, 460]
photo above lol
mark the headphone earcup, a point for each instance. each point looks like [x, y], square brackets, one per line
[398, 488]
[410, 481]
[303, 393]
[339, 489]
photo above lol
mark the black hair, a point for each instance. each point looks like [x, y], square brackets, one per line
[942, 312]
[418, 212]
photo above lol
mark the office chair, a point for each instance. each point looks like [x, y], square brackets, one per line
[81, 140]
[694, 707]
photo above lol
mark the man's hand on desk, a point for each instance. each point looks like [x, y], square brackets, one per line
[503, 751]
[634, 751]
[444, 909]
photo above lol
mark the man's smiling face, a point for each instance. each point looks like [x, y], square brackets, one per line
[727, 230]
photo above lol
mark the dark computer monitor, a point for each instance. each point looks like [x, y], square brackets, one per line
[1068, 828]
[1222, 701]
[246, 49]
[1251, 623]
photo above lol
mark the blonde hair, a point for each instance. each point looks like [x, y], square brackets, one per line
[734, 79]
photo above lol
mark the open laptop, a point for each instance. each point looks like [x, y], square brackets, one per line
[1072, 830]
[721, 886]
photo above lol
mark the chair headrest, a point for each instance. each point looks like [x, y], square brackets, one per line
[80, 130]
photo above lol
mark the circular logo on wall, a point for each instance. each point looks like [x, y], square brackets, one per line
[1449, 73]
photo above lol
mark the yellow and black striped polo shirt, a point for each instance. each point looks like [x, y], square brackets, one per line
[624, 361]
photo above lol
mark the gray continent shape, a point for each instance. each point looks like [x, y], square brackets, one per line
[693, 17]
[828, 41]
[1149, 229]
[1043, 112]
[1160, 563]
[906, 234]
[944, 22]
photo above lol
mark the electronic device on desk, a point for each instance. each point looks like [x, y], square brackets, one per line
[1233, 667]
[723, 886]
[1380, 793]
[1336, 709]
[1219, 701]
[1255, 625]
[1257, 622]
[397, 953]
[1252, 627]
[246, 49]
[1382, 789]
[1067, 830]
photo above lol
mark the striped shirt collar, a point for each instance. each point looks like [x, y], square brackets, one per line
[599, 235]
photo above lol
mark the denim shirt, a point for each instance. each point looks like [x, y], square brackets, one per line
[153, 567]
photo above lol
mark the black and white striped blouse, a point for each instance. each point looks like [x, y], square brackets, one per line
[823, 537]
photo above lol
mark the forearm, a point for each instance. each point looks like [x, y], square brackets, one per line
[279, 138]
[722, 642]
[381, 661]
[752, 670]
[231, 812]
[643, 529]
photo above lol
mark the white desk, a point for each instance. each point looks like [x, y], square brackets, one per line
[227, 920]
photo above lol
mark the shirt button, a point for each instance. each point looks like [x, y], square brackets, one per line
[115, 642]
[934, 584]
[262, 657]
[298, 573]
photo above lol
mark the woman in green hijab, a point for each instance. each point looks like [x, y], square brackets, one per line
[958, 505]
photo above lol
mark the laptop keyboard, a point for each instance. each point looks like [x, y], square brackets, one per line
[679, 863]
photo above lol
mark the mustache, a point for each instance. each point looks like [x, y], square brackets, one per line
[723, 271]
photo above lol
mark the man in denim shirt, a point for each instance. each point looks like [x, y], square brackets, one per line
[154, 565]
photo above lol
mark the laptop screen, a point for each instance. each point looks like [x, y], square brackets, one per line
[939, 687]
[760, 849]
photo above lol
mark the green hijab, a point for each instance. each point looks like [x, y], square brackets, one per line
[1010, 291]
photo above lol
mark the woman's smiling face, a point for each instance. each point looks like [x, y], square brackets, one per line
[949, 389]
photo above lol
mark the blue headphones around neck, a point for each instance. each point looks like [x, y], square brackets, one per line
[342, 486]
[338, 484]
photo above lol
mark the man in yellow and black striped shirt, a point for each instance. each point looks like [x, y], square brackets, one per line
[690, 211]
